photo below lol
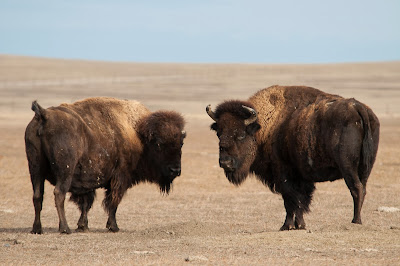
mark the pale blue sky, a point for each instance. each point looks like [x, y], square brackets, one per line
[244, 31]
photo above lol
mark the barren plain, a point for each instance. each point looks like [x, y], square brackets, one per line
[205, 219]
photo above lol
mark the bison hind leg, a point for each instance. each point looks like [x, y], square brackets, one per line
[64, 180]
[84, 202]
[358, 192]
[38, 191]
[38, 169]
[349, 160]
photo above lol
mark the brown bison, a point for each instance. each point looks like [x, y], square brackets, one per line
[100, 143]
[291, 137]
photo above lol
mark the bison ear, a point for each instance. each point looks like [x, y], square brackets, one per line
[252, 128]
[214, 126]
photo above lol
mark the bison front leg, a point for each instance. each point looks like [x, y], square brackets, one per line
[304, 196]
[110, 203]
[297, 198]
[289, 220]
[294, 218]
[112, 221]
[299, 220]
[84, 202]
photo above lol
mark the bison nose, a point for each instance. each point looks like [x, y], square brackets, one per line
[175, 170]
[226, 163]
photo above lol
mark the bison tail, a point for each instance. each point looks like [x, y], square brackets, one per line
[367, 148]
[40, 113]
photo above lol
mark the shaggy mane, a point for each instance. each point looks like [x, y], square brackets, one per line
[234, 107]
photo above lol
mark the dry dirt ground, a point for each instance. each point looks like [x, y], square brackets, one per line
[205, 219]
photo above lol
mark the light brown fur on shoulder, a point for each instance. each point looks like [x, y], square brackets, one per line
[275, 103]
[111, 109]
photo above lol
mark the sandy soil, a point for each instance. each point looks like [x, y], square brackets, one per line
[205, 220]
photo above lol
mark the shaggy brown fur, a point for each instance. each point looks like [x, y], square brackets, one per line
[301, 136]
[100, 143]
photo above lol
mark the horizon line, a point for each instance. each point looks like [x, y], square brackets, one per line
[199, 63]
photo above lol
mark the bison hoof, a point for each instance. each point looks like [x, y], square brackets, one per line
[356, 221]
[300, 226]
[113, 229]
[65, 231]
[287, 227]
[82, 229]
[112, 226]
[37, 231]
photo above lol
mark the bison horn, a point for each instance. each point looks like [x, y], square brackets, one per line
[210, 112]
[253, 116]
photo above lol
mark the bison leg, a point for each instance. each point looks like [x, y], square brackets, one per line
[111, 204]
[305, 190]
[112, 221]
[297, 223]
[349, 160]
[38, 190]
[289, 222]
[299, 220]
[297, 196]
[38, 171]
[59, 195]
[358, 191]
[61, 189]
[84, 202]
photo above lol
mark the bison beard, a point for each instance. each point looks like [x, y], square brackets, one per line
[291, 137]
[236, 177]
[100, 143]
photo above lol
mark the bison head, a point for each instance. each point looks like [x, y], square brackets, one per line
[236, 125]
[162, 135]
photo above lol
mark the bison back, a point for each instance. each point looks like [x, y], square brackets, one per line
[92, 138]
[328, 139]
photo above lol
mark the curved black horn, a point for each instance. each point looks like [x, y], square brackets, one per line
[253, 116]
[210, 112]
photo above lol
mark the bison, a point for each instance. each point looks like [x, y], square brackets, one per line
[100, 143]
[291, 137]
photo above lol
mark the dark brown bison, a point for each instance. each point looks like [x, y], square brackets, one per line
[100, 143]
[291, 137]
